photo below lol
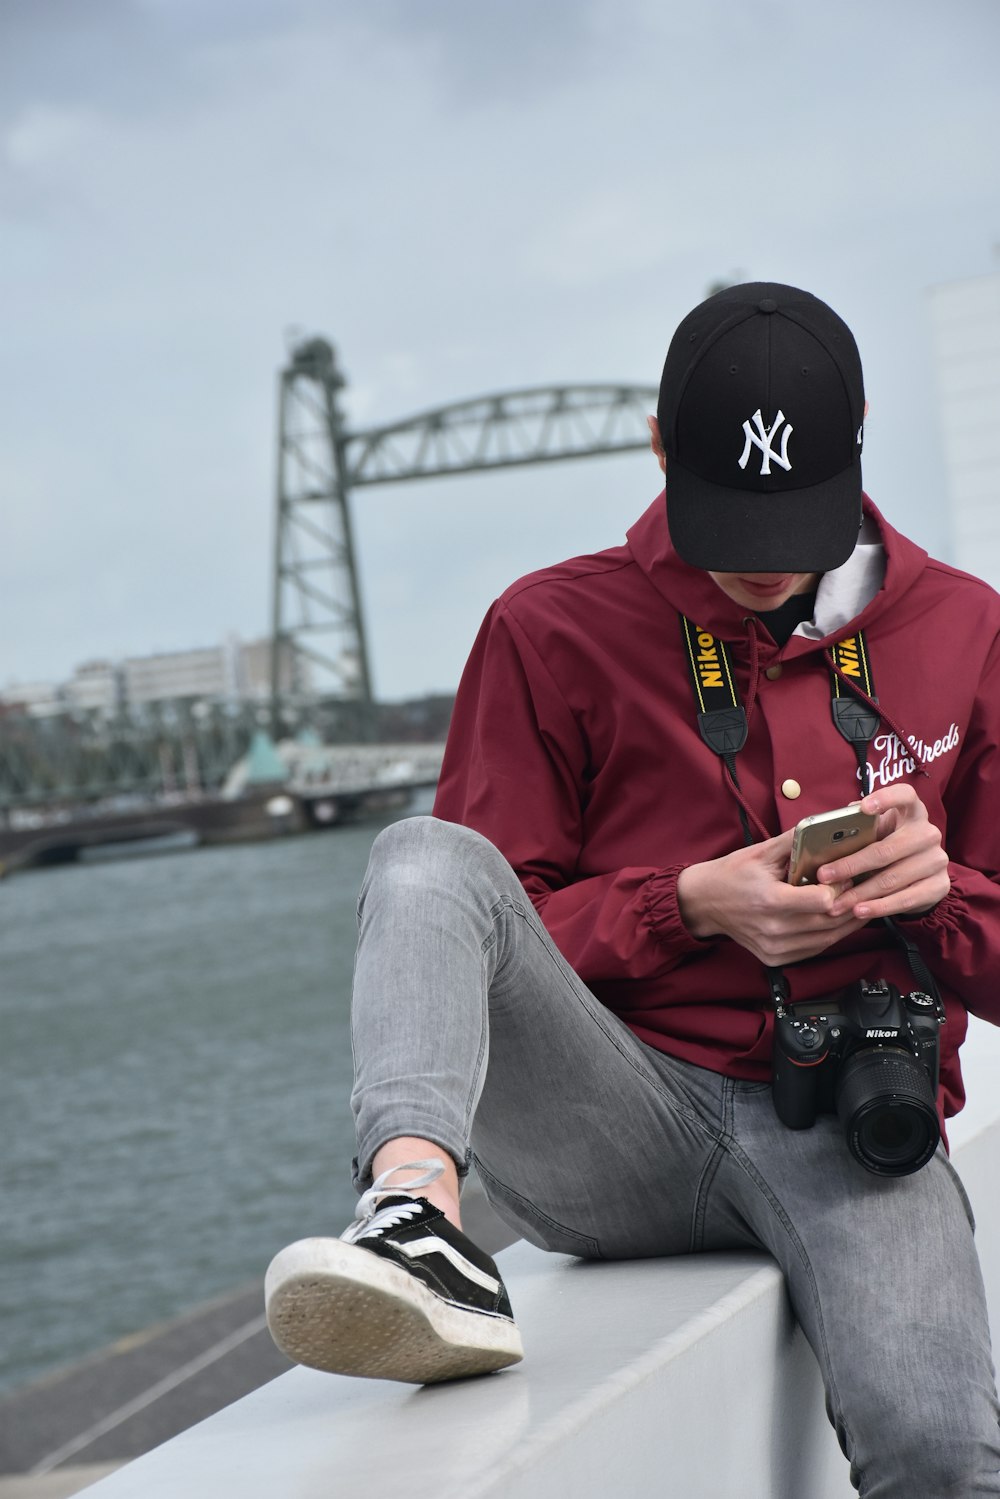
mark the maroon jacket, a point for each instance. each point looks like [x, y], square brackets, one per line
[574, 748]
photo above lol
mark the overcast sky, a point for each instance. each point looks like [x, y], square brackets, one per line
[464, 198]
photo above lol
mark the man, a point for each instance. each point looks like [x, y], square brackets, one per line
[576, 964]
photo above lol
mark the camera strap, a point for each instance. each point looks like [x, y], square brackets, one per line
[722, 724]
[721, 717]
[853, 717]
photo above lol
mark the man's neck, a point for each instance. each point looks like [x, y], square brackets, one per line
[781, 622]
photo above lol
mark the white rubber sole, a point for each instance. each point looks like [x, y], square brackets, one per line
[340, 1308]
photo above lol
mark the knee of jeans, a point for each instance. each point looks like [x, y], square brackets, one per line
[415, 848]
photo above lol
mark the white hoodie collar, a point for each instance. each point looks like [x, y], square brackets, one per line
[847, 590]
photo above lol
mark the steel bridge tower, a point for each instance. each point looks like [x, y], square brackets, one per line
[320, 652]
[319, 648]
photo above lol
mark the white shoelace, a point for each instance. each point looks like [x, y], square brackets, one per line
[373, 1220]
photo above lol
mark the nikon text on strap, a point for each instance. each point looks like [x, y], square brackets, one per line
[853, 717]
[722, 719]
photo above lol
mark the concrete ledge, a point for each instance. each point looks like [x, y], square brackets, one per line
[634, 1371]
[682, 1376]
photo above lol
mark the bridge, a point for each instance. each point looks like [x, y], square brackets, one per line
[317, 614]
[321, 674]
[271, 791]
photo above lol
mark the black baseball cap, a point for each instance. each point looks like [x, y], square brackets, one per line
[761, 411]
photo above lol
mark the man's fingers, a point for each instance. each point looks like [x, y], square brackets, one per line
[777, 950]
[901, 796]
[779, 849]
[893, 878]
[911, 841]
[921, 896]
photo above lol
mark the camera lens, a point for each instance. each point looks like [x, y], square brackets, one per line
[886, 1107]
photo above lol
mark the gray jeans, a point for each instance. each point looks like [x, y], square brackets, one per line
[469, 1028]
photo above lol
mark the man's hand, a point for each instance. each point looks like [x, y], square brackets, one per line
[746, 896]
[904, 872]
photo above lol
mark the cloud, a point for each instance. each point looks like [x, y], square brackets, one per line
[463, 201]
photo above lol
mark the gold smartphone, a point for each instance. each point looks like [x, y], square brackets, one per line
[827, 836]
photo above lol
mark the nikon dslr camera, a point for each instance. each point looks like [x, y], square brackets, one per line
[870, 1055]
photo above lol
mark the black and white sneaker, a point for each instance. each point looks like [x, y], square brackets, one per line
[402, 1294]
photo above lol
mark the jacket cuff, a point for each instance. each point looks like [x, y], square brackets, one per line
[663, 913]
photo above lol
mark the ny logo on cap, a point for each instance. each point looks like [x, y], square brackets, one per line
[762, 439]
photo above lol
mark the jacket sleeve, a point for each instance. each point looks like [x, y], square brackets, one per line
[516, 768]
[960, 937]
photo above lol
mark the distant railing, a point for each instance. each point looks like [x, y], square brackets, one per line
[184, 746]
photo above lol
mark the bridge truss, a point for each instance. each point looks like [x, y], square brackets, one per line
[317, 610]
[186, 746]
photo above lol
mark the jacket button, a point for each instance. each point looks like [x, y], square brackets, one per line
[791, 789]
[773, 672]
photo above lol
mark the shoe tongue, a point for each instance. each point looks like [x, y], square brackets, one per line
[396, 1199]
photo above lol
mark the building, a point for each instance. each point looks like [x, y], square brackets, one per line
[236, 671]
[254, 669]
[207, 673]
[965, 317]
[38, 699]
[95, 686]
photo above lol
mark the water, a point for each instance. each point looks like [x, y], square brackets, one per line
[176, 1071]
